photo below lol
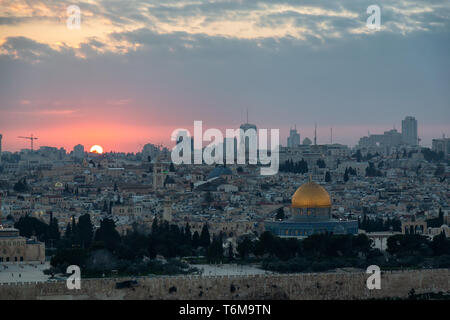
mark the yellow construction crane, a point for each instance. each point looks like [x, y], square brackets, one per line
[31, 138]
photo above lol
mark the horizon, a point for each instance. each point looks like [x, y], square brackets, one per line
[322, 139]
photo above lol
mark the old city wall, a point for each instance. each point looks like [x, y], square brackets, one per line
[295, 286]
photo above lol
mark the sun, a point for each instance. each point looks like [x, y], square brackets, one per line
[96, 149]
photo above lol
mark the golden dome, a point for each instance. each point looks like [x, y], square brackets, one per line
[311, 195]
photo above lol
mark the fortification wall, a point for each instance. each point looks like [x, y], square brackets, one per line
[291, 286]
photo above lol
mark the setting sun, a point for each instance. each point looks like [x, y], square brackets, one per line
[96, 149]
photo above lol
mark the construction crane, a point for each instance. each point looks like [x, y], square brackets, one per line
[31, 138]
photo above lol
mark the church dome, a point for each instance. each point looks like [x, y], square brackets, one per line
[219, 171]
[311, 195]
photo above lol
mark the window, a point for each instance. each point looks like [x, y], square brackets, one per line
[15, 258]
[7, 259]
[21, 258]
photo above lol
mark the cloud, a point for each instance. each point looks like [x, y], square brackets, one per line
[311, 22]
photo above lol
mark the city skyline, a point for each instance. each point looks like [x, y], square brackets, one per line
[323, 137]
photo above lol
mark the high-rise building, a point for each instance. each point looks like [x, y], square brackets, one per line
[244, 139]
[1, 136]
[391, 138]
[294, 138]
[78, 152]
[409, 131]
[441, 145]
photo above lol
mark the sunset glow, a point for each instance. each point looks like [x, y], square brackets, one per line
[96, 149]
[145, 69]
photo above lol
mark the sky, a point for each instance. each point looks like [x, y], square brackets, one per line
[137, 70]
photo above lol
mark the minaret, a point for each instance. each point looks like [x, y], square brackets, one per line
[159, 174]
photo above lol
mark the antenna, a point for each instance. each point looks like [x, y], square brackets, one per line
[331, 134]
[247, 115]
[315, 133]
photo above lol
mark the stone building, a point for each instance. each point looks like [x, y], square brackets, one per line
[15, 248]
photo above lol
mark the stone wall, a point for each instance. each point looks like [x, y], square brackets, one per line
[292, 286]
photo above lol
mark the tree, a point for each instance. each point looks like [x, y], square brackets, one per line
[21, 186]
[53, 229]
[66, 257]
[187, 234]
[440, 244]
[68, 233]
[298, 167]
[436, 222]
[265, 244]
[351, 171]
[409, 245]
[85, 230]
[75, 234]
[362, 243]
[30, 226]
[303, 166]
[371, 171]
[328, 177]
[205, 238]
[280, 214]
[215, 251]
[346, 175]
[155, 227]
[230, 252]
[108, 234]
[171, 167]
[432, 156]
[245, 247]
[195, 240]
[321, 163]
[105, 206]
